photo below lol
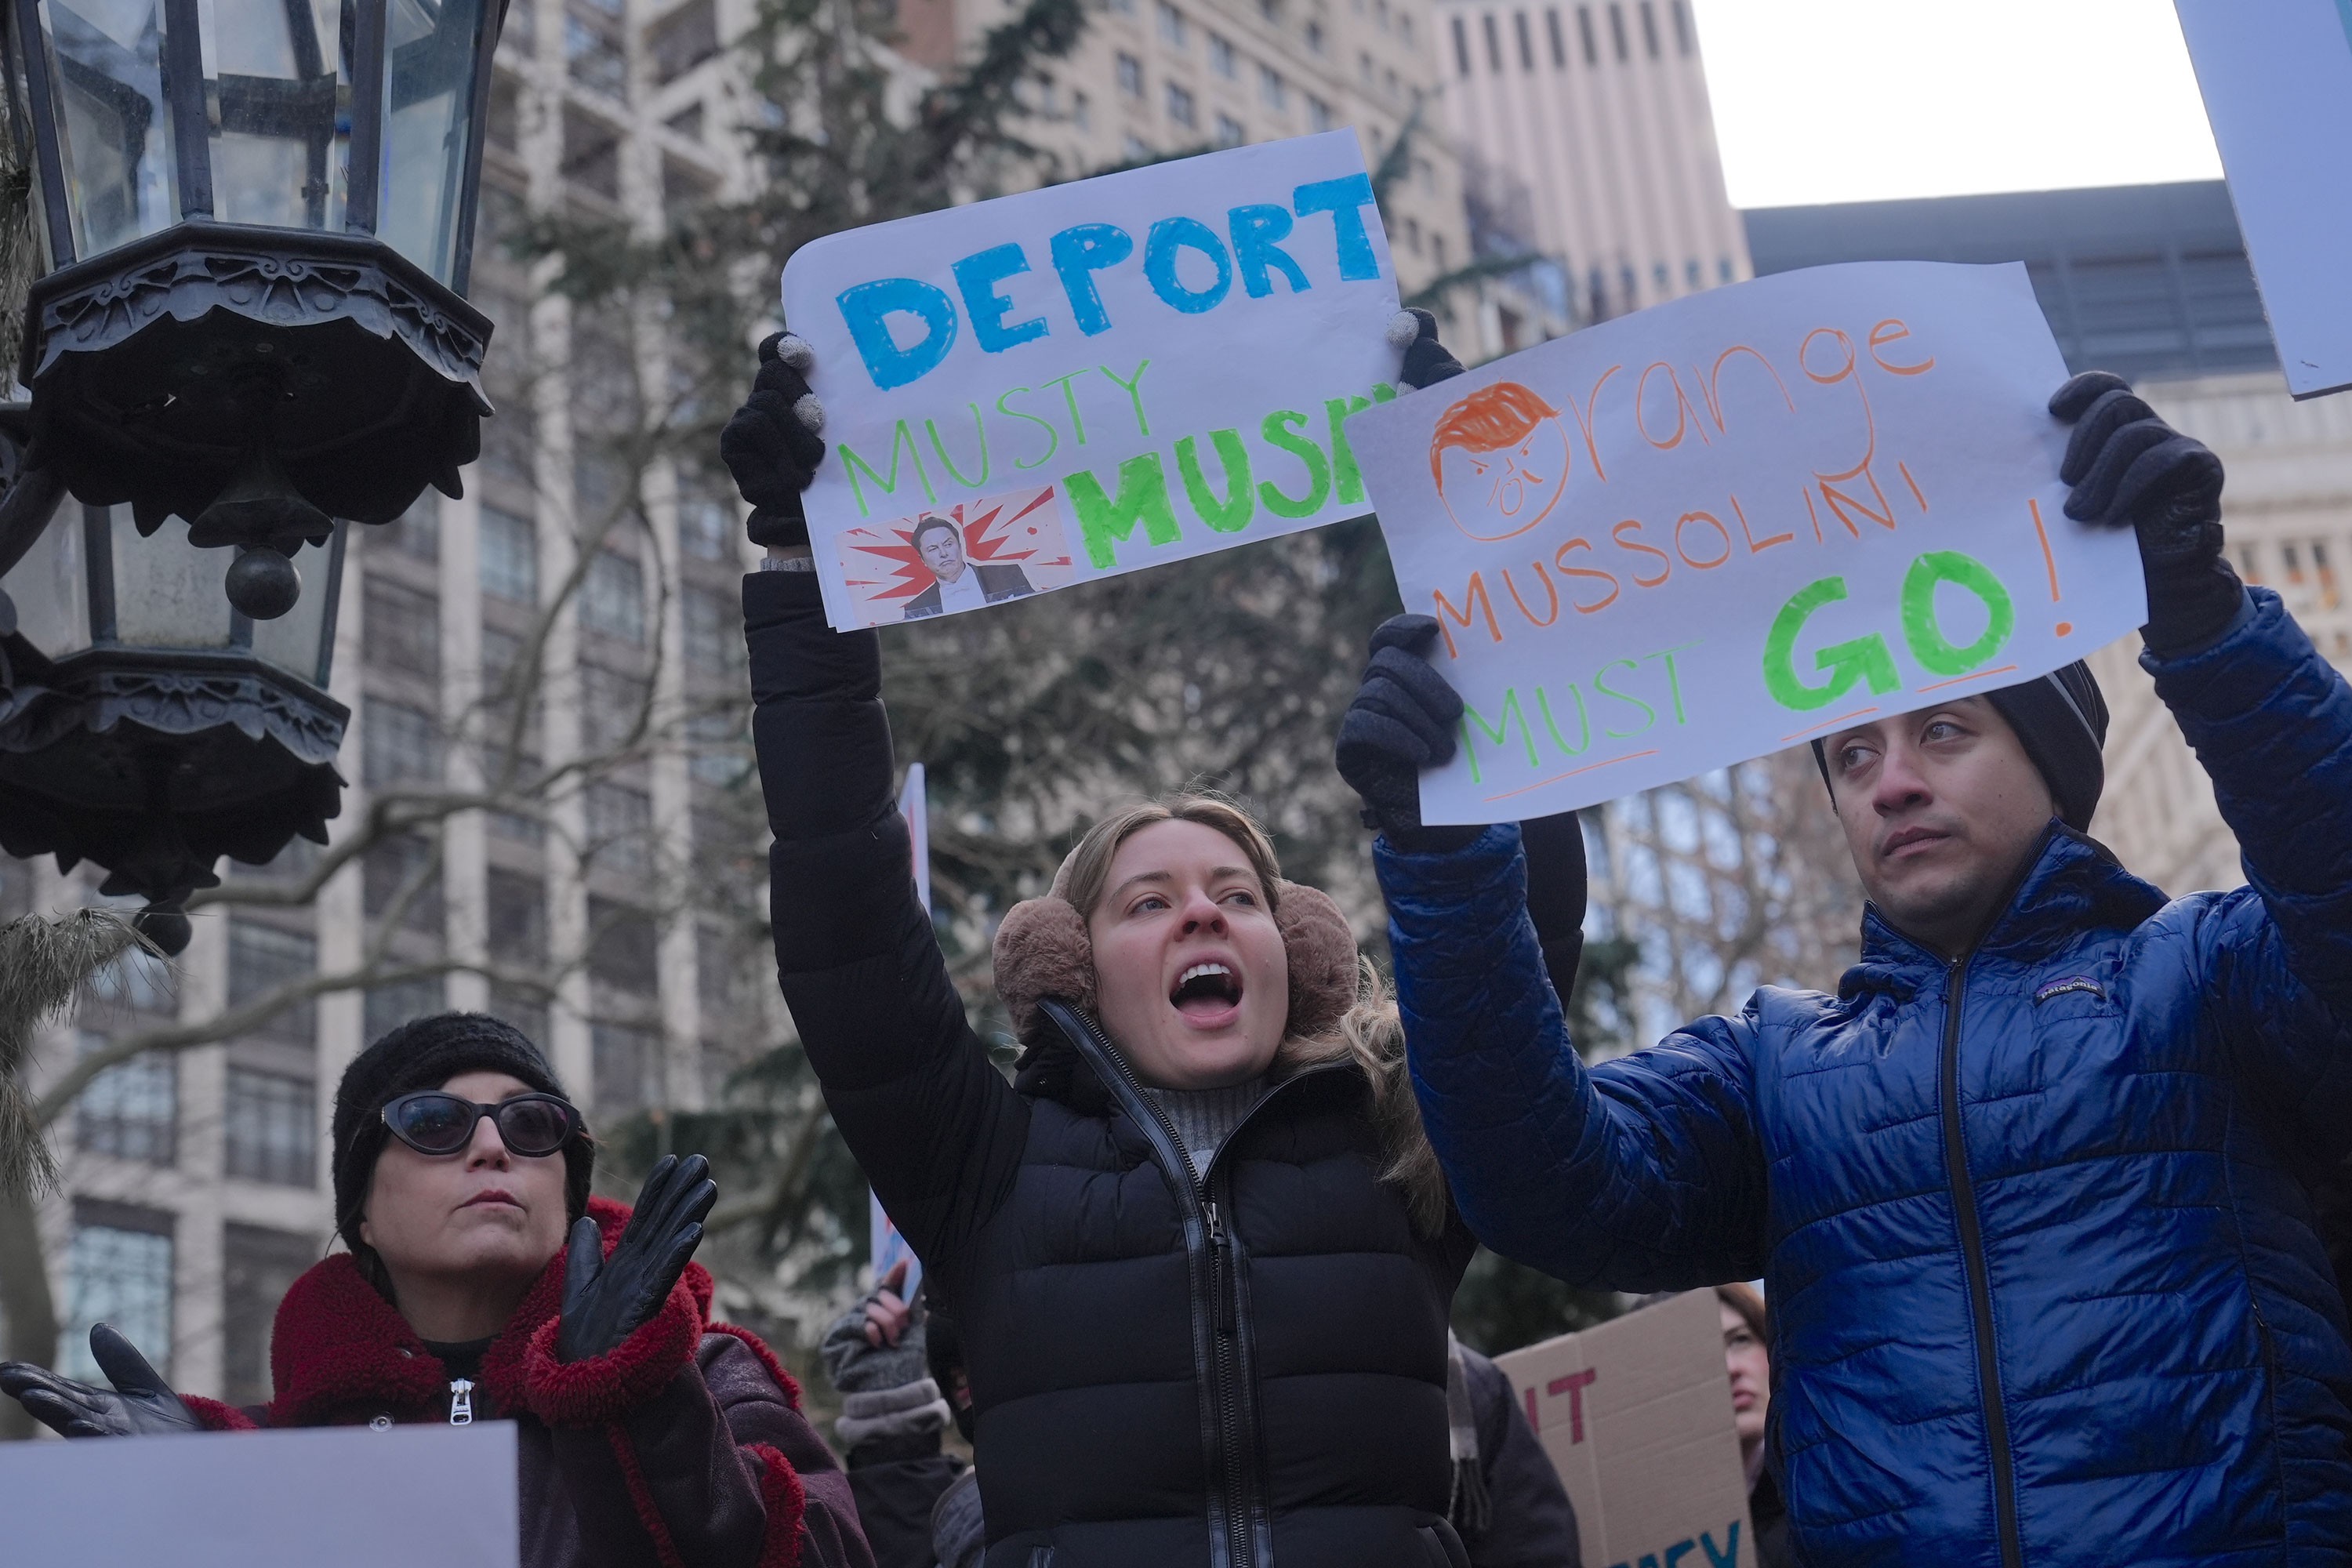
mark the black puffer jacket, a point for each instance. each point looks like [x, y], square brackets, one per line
[1160, 1374]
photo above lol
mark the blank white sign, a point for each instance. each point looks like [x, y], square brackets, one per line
[2278, 81]
[349, 1495]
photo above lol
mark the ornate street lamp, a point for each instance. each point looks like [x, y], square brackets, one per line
[256, 218]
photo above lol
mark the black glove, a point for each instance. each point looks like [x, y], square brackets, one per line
[1401, 721]
[772, 446]
[139, 1404]
[2129, 468]
[1427, 361]
[606, 1300]
[1556, 887]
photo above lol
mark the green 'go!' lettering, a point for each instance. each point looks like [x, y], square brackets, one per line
[1847, 663]
[1925, 634]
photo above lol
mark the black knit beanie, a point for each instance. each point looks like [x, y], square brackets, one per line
[2061, 721]
[425, 1053]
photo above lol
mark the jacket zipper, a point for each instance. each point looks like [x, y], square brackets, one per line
[1219, 1321]
[461, 1401]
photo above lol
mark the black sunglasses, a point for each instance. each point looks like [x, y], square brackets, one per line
[432, 1122]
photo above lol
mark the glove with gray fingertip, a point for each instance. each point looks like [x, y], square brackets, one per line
[770, 446]
[1426, 360]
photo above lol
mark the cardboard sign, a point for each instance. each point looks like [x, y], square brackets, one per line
[2277, 82]
[346, 1495]
[1729, 524]
[1636, 1417]
[1091, 378]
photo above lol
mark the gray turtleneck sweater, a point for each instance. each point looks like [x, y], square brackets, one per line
[1202, 1117]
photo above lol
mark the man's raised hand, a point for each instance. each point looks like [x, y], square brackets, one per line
[770, 446]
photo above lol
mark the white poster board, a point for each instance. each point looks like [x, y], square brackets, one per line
[2276, 77]
[1091, 378]
[1636, 1417]
[411, 1497]
[1732, 523]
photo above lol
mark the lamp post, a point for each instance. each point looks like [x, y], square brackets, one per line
[256, 222]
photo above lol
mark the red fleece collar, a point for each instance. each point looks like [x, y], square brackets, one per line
[338, 1344]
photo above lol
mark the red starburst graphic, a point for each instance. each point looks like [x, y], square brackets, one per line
[999, 530]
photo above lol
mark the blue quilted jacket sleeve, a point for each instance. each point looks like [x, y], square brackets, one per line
[1644, 1173]
[2272, 723]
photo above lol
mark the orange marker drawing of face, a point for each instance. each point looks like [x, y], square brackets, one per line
[1500, 460]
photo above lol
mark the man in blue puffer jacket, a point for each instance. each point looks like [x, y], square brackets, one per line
[2028, 1191]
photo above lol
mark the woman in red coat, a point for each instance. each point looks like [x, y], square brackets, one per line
[646, 1434]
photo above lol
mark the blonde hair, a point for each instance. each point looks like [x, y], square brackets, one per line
[1369, 1032]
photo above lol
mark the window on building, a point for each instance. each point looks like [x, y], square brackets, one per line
[706, 525]
[1661, 276]
[1682, 28]
[1130, 76]
[1392, 84]
[1691, 274]
[1181, 108]
[1318, 113]
[264, 958]
[403, 866]
[1413, 235]
[620, 828]
[720, 743]
[1650, 28]
[137, 979]
[1723, 269]
[1230, 132]
[613, 597]
[1172, 31]
[1494, 43]
[119, 1271]
[1630, 284]
[624, 947]
[1584, 34]
[1222, 59]
[416, 533]
[509, 555]
[1617, 31]
[714, 627]
[402, 744]
[388, 1007]
[526, 1009]
[403, 627]
[613, 707]
[1405, 27]
[594, 55]
[592, 154]
[1136, 149]
[272, 1126]
[1081, 111]
[1461, 50]
[1437, 249]
[517, 917]
[1380, 14]
[131, 1110]
[1270, 9]
[259, 1266]
[683, 39]
[1525, 40]
[1272, 89]
[1313, 32]
[627, 1064]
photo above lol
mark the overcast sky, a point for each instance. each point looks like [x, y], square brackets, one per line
[1842, 100]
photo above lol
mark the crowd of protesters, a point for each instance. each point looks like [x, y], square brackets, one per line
[2029, 1194]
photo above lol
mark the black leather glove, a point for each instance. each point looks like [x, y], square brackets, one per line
[139, 1404]
[1556, 894]
[1401, 721]
[606, 1300]
[770, 446]
[1427, 361]
[2129, 468]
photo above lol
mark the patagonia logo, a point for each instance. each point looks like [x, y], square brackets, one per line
[2082, 982]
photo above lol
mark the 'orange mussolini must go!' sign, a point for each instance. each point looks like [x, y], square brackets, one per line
[1736, 522]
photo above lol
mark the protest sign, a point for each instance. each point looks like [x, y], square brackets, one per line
[1090, 378]
[1732, 523]
[348, 1495]
[2277, 83]
[1636, 1417]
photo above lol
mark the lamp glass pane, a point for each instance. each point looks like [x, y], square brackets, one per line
[428, 91]
[291, 641]
[114, 130]
[51, 590]
[167, 593]
[280, 76]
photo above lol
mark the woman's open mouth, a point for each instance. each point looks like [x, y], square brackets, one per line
[1208, 995]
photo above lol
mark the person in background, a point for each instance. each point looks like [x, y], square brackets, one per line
[2031, 1190]
[892, 1416]
[1508, 1504]
[645, 1432]
[1747, 1358]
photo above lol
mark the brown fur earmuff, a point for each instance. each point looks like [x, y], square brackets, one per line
[1041, 949]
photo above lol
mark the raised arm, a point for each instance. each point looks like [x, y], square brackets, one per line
[936, 1128]
[2269, 720]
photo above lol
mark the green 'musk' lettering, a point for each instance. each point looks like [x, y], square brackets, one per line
[1275, 429]
[851, 463]
[1498, 732]
[1104, 522]
[1846, 663]
[1232, 514]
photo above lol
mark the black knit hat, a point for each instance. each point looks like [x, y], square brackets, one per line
[2061, 721]
[425, 1053]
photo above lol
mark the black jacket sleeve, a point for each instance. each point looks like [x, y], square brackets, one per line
[1530, 1521]
[933, 1123]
